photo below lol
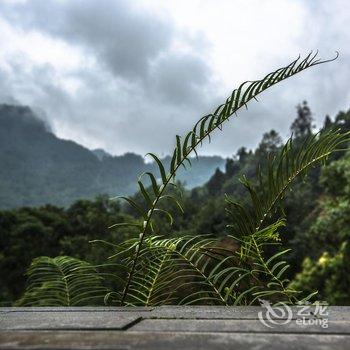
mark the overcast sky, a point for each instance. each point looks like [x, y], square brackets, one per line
[128, 75]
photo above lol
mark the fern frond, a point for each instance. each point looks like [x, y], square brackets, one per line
[62, 281]
[152, 278]
[187, 270]
[206, 273]
[280, 173]
[173, 271]
[250, 225]
[202, 130]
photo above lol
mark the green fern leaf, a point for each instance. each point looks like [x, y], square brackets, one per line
[62, 281]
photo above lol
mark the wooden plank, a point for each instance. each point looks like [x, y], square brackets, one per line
[168, 327]
[239, 326]
[200, 312]
[168, 341]
[339, 313]
[76, 308]
[66, 320]
[205, 312]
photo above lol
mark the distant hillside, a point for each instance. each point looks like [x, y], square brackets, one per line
[37, 168]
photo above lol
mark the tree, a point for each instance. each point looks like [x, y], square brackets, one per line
[302, 125]
[231, 167]
[242, 154]
[270, 143]
[342, 121]
[214, 185]
[327, 124]
[326, 267]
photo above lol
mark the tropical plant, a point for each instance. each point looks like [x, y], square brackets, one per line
[157, 270]
[62, 281]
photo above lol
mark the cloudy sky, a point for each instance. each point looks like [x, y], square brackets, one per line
[128, 75]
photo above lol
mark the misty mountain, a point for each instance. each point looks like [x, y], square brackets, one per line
[36, 167]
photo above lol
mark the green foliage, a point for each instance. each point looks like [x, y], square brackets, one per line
[27, 233]
[62, 281]
[329, 275]
[201, 131]
[282, 170]
[326, 266]
[335, 178]
[216, 275]
[236, 269]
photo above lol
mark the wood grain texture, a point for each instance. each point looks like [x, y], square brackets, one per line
[66, 320]
[168, 327]
[237, 326]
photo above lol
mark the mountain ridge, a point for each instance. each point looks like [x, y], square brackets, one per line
[37, 167]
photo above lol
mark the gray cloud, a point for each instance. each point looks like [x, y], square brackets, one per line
[180, 79]
[132, 44]
[125, 40]
[138, 91]
[136, 79]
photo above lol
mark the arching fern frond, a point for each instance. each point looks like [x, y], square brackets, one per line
[152, 270]
[278, 176]
[62, 281]
[175, 270]
[198, 270]
[192, 270]
[187, 145]
[152, 277]
[250, 225]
